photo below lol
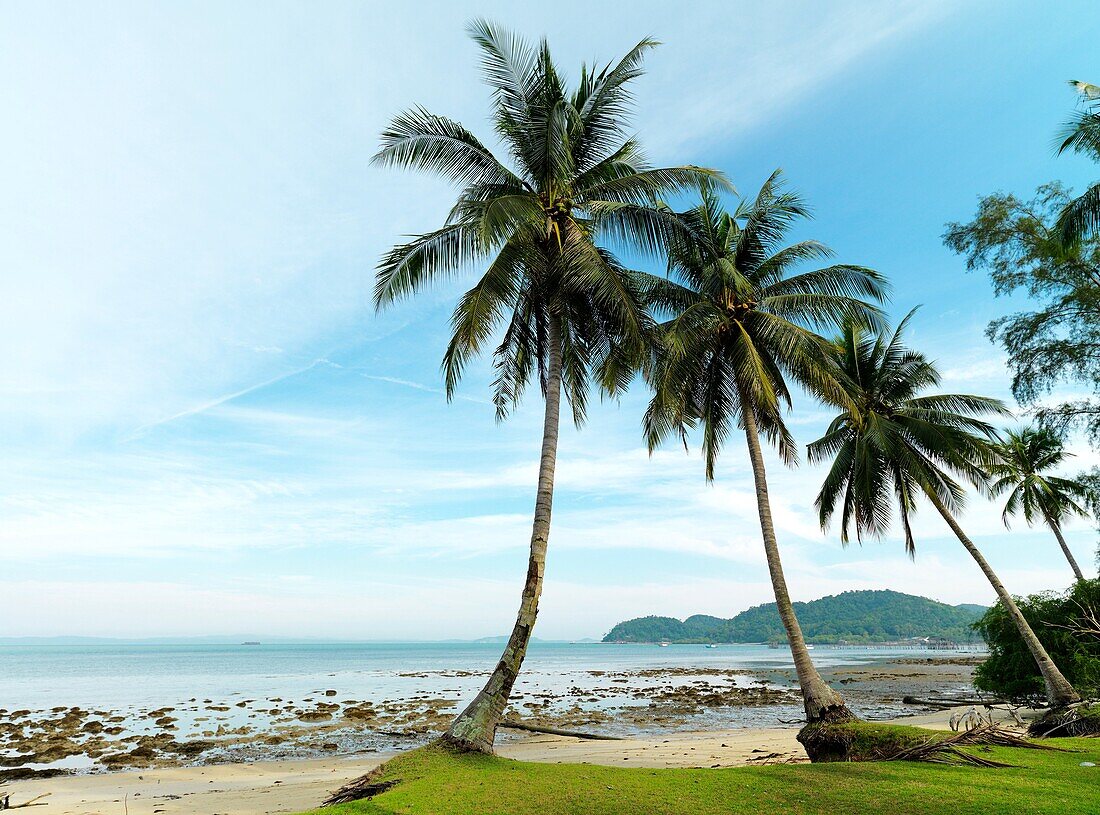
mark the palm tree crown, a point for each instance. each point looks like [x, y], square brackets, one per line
[573, 180]
[740, 323]
[1024, 459]
[1082, 135]
[891, 444]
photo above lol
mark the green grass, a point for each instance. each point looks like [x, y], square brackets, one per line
[435, 781]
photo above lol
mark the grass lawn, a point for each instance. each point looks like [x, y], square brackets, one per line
[433, 781]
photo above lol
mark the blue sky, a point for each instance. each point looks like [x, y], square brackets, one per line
[208, 430]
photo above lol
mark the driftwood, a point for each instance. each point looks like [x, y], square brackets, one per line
[554, 731]
[973, 718]
[950, 701]
[5, 802]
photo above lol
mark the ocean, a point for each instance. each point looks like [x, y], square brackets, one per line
[297, 700]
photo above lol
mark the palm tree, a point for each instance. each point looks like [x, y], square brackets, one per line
[1082, 135]
[1023, 456]
[537, 225]
[891, 445]
[739, 326]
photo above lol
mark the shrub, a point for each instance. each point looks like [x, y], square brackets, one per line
[1065, 623]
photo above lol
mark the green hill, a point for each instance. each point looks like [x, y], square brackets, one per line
[853, 616]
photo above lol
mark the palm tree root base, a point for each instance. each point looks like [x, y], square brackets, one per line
[869, 741]
[1079, 720]
[816, 736]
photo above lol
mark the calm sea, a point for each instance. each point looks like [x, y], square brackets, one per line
[121, 676]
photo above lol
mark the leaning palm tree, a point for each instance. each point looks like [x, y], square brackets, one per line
[891, 445]
[539, 225]
[739, 326]
[1024, 458]
[1081, 134]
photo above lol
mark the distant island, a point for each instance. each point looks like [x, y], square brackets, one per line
[850, 617]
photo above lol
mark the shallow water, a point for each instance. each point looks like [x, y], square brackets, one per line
[239, 694]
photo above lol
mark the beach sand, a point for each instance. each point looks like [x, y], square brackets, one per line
[261, 788]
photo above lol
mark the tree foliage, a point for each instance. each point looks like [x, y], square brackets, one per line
[742, 321]
[540, 225]
[1067, 625]
[1022, 470]
[1058, 343]
[1081, 134]
[894, 442]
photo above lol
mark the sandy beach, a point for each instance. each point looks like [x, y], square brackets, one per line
[263, 788]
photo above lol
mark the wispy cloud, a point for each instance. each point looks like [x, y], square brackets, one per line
[194, 382]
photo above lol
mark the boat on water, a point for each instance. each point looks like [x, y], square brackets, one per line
[710, 646]
[664, 644]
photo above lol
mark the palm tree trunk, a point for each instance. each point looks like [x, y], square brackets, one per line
[476, 727]
[1059, 691]
[1065, 548]
[822, 703]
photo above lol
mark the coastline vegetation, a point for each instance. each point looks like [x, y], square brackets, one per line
[1066, 623]
[852, 617]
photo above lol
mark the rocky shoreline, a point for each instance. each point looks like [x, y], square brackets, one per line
[196, 731]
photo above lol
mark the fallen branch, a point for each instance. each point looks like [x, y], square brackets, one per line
[5, 802]
[366, 786]
[995, 736]
[936, 751]
[554, 731]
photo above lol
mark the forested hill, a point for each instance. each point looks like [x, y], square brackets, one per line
[853, 616]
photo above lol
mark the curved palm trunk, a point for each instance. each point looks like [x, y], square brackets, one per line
[1065, 548]
[822, 703]
[1059, 691]
[476, 727]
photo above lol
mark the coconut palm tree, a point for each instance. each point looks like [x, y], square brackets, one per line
[538, 227]
[1082, 135]
[739, 326]
[1023, 459]
[892, 445]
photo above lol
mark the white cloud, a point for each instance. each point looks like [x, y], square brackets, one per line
[192, 224]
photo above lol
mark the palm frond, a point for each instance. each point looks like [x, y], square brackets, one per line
[427, 258]
[419, 140]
